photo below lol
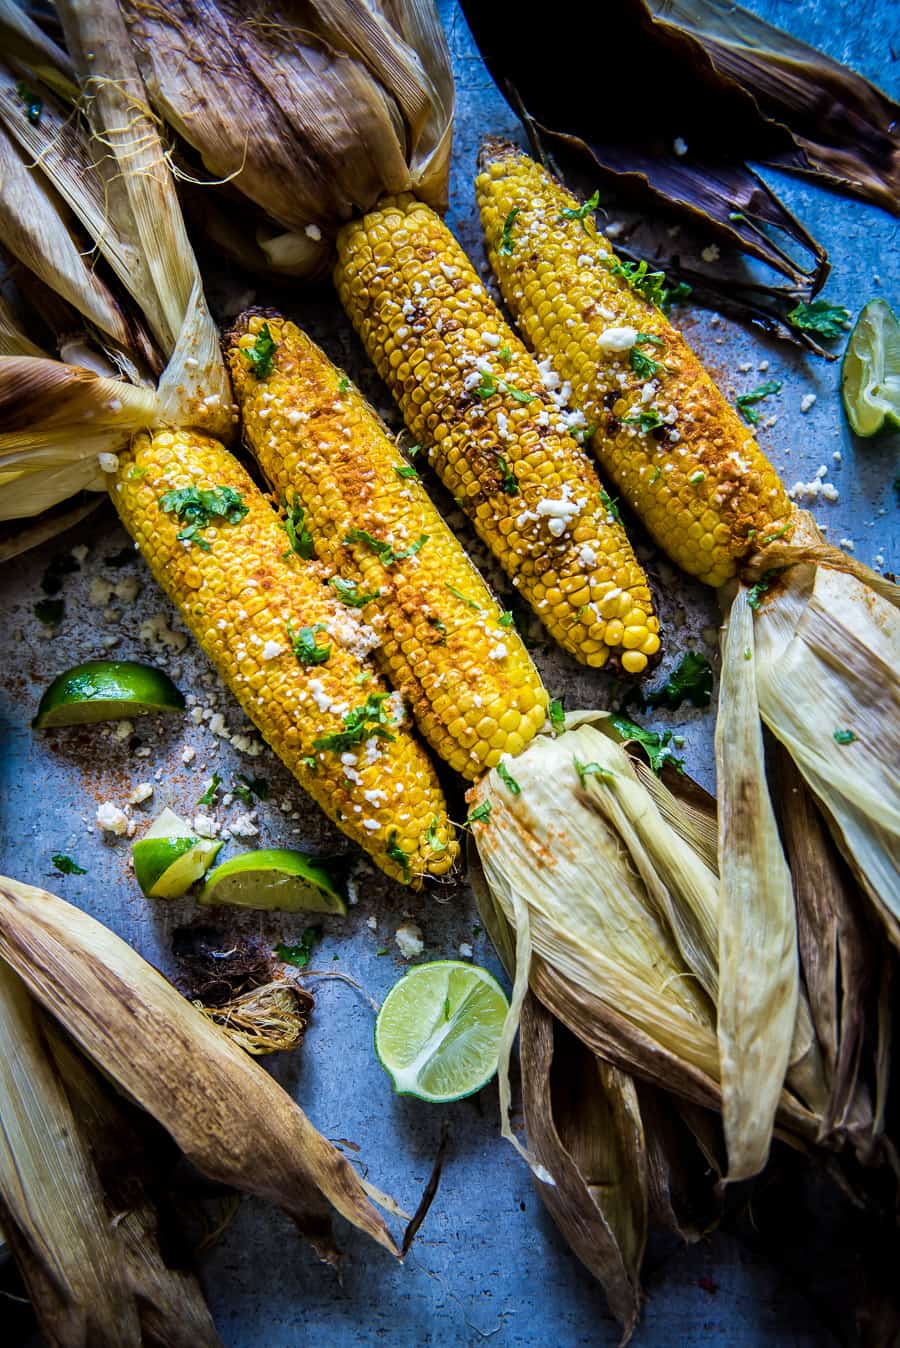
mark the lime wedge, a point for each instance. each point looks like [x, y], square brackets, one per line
[277, 877]
[106, 690]
[438, 1031]
[170, 858]
[870, 374]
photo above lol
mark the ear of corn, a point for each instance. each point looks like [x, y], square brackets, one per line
[247, 604]
[445, 644]
[499, 438]
[679, 454]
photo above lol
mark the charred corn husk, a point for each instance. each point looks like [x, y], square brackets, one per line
[445, 643]
[497, 432]
[293, 656]
[679, 454]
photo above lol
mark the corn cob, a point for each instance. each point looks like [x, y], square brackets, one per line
[679, 454]
[295, 659]
[446, 646]
[498, 436]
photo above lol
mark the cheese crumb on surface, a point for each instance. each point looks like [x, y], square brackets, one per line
[79, 552]
[807, 401]
[372, 922]
[244, 827]
[123, 729]
[156, 628]
[312, 232]
[143, 791]
[188, 754]
[111, 819]
[100, 592]
[465, 950]
[848, 544]
[205, 826]
[680, 146]
[409, 940]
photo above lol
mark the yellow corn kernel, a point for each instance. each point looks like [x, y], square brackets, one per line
[387, 799]
[691, 470]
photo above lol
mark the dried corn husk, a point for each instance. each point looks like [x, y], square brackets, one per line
[267, 1019]
[312, 112]
[230, 1118]
[827, 660]
[52, 1206]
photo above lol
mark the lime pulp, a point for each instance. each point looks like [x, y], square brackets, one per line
[106, 690]
[870, 373]
[169, 858]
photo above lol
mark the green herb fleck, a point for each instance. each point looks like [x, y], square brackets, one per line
[66, 866]
[310, 764]
[406, 471]
[509, 483]
[506, 239]
[756, 592]
[480, 812]
[344, 384]
[385, 950]
[586, 770]
[556, 714]
[506, 619]
[299, 537]
[33, 104]
[249, 789]
[383, 550]
[261, 354]
[690, 682]
[585, 433]
[648, 420]
[779, 533]
[348, 592]
[696, 478]
[504, 355]
[517, 393]
[654, 743]
[581, 212]
[432, 839]
[844, 736]
[198, 507]
[655, 475]
[826, 320]
[306, 647]
[490, 384]
[211, 791]
[508, 779]
[396, 853]
[611, 504]
[651, 284]
[367, 721]
[50, 611]
[644, 366]
[744, 400]
[135, 474]
[464, 598]
[300, 954]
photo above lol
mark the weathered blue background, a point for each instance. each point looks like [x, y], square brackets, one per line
[488, 1263]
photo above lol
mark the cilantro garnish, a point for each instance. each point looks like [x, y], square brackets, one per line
[396, 853]
[198, 507]
[463, 598]
[648, 420]
[432, 839]
[744, 400]
[651, 284]
[406, 470]
[844, 736]
[506, 618]
[344, 384]
[50, 611]
[655, 475]
[586, 770]
[293, 524]
[691, 681]
[508, 779]
[300, 954]
[348, 592]
[261, 354]
[66, 866]
[506, 240]
[654, 743]
[249, 789]
[305, 645]
[509, 483]
[480, 812]
[383, 550]
[211, 791]
[580, 212]
[827, 320]
[644, 366]
[611, 504]
[556, 714]
[756, 592]
[33, 104]
[367, 721]
[504, 355]
[490, 384]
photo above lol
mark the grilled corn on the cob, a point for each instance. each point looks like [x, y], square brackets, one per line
[295, 659]
[498, 433]
[678, 453]
[445, 644]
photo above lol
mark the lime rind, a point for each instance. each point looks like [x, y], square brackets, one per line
[277, 878]
[437, 1034]
[169, 859]
[106, 690]
[870, 373]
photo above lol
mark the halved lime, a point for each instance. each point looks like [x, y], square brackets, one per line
[438, 1031]
[106, 690]
[277, 877]
[170, 858]
[870, 374]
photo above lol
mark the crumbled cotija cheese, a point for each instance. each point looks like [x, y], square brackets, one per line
[111, 819]
[409, 940]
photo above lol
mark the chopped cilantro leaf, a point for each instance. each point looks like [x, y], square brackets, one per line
[135, 474]
[480, 812]
[744, 400]
[504, 355]
[396, 853]
[644, 366]
[506, 619]
[198, 507]
[211, 791]
[696, 478]
[844, 736]
[367, 721]
[826, 320]
[611, 504]
[463, 598]
[517, 393]
[647, 420]
[756, 592]
[305, 646]
[344, 384]
[385, 950]
[508, 779]
[432, 839]
[650, 284]
[509, 483]
[249, 789]
[506, 239]
[655, 475]
[66, 866]
[261, 354]
[299, 537]
[586, 770]
[406, 470]
[383, 550]
[556, 714]
[348, 592]
[50, 611]
[690, 682]
[300, 954]
[654, 743]
[581, 212]
[490, 384]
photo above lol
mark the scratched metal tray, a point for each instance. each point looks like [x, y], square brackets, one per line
[488, 1263]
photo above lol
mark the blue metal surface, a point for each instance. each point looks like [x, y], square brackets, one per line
[488, 1264]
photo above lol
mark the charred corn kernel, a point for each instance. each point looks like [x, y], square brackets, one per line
[678, 453]
[497, 427]
[239, 596]
[318, 441]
